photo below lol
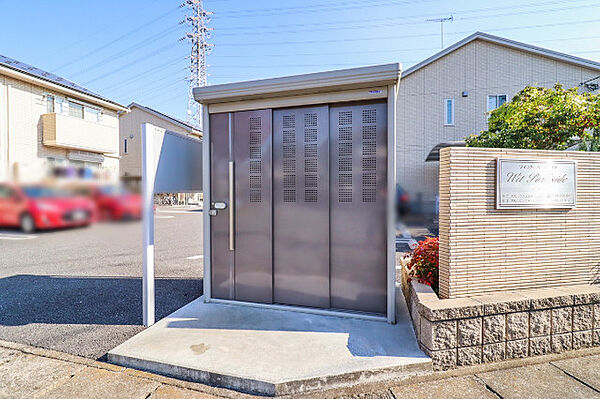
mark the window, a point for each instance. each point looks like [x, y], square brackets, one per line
[6, 192]
[124, 146]
[49, 104]
[449, 112]
[494, 101]
[75, 110]
[92, 114]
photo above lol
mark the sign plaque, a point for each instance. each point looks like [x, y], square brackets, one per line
[528, 183]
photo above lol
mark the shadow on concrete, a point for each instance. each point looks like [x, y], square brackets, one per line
[365, 338]
[27, 299]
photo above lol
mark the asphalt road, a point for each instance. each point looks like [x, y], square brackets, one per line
[79, 290]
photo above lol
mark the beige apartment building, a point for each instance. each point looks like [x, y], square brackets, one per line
[130, 147]
[48, 123]
[447, 96]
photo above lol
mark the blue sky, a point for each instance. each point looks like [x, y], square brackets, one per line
[131, 50]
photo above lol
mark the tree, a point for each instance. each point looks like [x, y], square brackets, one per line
[543, 119]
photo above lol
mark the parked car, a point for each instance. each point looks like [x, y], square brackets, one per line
[402, 201]
[113, 202]
[32, 207]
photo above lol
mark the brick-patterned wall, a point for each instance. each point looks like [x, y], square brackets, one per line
[485, 250]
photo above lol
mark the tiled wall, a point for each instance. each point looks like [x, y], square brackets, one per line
[484, 250]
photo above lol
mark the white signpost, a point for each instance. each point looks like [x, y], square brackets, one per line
[171, 163]
[544, 184]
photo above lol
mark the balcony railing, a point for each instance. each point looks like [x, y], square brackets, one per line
[69, 132]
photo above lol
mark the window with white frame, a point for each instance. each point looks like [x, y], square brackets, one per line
[494, 101]
[75, 110]
[49, 103]
[449, 112]
[92, 114]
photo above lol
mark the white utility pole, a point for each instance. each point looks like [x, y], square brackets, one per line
[199, 35]
[441, 21]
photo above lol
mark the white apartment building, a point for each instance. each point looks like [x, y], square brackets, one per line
[447, 96]
[48, 122]
[130, 150]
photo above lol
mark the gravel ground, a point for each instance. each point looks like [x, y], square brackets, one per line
[79, 290]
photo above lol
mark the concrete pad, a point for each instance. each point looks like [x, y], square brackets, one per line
[24, 375]
[451, 388]
[585, 369]
[269, 352]
[542, 381]
[94, 383]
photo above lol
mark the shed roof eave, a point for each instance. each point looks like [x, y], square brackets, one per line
[300, 84]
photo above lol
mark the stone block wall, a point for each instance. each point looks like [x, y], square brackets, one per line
[510, 325]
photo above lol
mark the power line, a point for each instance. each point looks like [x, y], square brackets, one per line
[373, 24]
[127, 51]
[96, 50]
[376, 21]
[404, 36]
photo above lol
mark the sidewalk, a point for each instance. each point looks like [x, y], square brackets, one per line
[29, 372]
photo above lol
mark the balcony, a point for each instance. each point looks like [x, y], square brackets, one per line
[65, 131]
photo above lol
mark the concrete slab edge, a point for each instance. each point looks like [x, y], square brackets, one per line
[359, 386]
[241, 384]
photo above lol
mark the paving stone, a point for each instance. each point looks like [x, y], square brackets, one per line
[439, 334]
[539, 346]
[517, 325]
[451, 388]
[582, 317]
[582, 339]
[171, 392]
[597, 316]
[24, 375]
[494, 352]
[562, 320]
[98, 383]
[536, 382]
[596, 338]
[469, 332]
[584, 368]
[517, 349]
[539, 323]
[6, 355]
[469, 356]
[494, 329]
[561, 342]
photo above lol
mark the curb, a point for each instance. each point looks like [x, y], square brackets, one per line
[336, 392]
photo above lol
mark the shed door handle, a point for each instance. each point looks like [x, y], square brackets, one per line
[231, 209]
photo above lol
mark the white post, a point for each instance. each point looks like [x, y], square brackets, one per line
[148, 175]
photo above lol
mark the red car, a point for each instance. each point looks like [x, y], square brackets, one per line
[32, 207]
[112, 202]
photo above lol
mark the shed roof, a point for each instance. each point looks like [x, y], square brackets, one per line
[340, 79]
[571, 59]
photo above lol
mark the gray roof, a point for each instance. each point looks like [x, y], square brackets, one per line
[50, 77]
[508, 43]
[166, 117]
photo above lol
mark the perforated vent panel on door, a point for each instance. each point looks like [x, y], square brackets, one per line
[252, 153]
[358, 211]
[301, 206]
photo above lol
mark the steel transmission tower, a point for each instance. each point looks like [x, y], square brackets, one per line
[199, 35]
